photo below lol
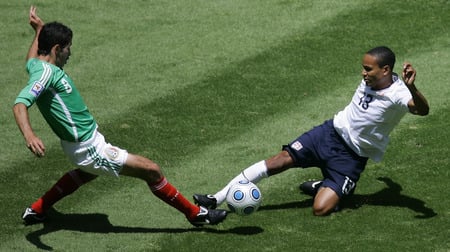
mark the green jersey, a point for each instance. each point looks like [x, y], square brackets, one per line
[58, 100]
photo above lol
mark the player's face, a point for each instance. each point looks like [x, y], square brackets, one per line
[371, 72]
[62, 55]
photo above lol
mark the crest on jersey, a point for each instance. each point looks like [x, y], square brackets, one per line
[36, 89]
[296, 145]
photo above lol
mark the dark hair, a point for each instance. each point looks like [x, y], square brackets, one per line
[52, 34]
[384, 56]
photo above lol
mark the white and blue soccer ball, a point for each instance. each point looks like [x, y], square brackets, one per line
[244, 198]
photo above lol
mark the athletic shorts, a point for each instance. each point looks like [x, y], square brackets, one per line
[322, 147]
[96, 156]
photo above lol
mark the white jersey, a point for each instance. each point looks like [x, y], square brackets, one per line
[366, 122]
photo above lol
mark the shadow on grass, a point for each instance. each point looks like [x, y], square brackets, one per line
[390, 196]
[99, 223]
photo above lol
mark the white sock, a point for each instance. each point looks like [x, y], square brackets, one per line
[254, 174]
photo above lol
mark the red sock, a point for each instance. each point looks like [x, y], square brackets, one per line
[66, 185]
[169, 194]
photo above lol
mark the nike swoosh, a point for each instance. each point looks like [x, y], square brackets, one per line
[315, 184]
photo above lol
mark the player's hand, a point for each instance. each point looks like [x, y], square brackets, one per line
[35, 21]
[35, 145]
[408, 73]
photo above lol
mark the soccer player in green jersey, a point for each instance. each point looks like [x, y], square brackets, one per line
[63, 108]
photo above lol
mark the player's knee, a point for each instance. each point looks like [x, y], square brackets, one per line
[322, 210]
[151, 166]
[152, 171]
[143, 164]
[153, 176]
[325, 201]
[143, 168]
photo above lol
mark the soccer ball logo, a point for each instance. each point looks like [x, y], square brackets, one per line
[244, 198]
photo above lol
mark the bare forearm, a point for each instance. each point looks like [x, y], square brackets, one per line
[33, 51]
[418, 105]
[420, 102]
[22, 119]
[34, 144]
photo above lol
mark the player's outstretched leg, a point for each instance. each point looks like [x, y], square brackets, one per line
[145, 169]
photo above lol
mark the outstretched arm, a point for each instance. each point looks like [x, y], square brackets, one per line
[33, 142]
[36, 23]
[418, 105]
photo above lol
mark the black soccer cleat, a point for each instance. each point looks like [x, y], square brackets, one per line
[30, 217]
[209, 217]
[205, 200]
[311, 187]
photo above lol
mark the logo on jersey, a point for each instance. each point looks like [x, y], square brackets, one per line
[36, 89]
[297, 146]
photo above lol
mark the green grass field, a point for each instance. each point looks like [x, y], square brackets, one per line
[206, 88]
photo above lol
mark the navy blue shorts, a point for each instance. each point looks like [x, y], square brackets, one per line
[322, 147]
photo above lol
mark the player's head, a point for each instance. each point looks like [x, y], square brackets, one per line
[384, 56]
[58, 37]
[378, 64]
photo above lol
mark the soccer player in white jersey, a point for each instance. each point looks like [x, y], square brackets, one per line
[341, 146]
[68, 116]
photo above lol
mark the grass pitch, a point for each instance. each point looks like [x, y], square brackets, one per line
[206, 88]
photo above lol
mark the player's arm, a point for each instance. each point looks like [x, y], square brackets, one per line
[22, 119]
[37, 23]
[418, 105]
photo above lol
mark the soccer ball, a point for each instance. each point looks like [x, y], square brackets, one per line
[244, 197]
